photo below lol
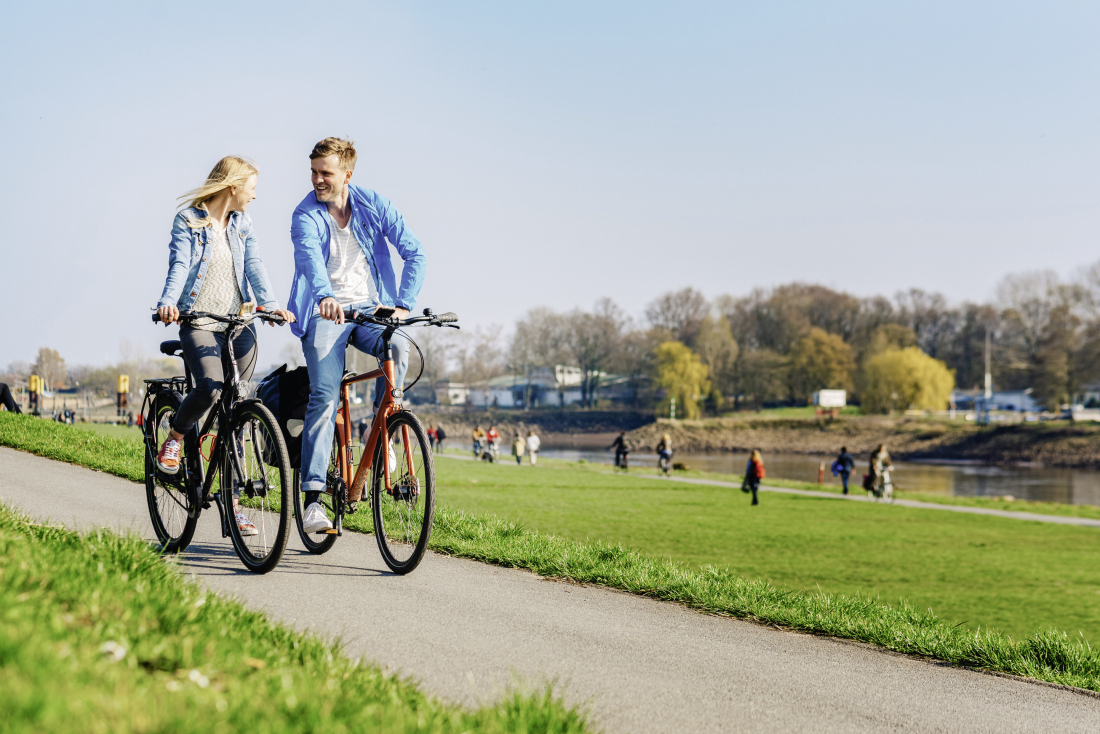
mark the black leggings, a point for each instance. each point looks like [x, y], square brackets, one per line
[202, 350]
[7, 400]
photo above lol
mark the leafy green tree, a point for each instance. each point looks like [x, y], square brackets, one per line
[820, 361]
[683, 376]
[900, 379]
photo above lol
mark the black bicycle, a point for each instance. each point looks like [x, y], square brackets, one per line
[240, 442]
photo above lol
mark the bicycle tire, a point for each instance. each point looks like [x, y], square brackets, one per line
[266, 466]
[173, 501]
[329, 501]
[403, 520]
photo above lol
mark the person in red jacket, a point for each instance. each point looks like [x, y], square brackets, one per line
[754, 472]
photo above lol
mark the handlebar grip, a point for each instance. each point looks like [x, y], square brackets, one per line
[447, 318]
[156, 318]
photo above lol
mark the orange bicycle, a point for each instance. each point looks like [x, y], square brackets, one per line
[396, 458]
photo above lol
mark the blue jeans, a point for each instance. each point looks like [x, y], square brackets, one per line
[324, 345]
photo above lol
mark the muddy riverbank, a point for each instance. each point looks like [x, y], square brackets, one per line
[1054, 444]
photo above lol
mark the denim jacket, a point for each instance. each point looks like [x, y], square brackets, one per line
[374, 221]
[187, 261]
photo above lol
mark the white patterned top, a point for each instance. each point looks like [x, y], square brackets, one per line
[219, 293]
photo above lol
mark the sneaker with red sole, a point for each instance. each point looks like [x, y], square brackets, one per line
[168, 459]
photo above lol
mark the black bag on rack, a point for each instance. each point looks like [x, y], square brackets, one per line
[286, 394]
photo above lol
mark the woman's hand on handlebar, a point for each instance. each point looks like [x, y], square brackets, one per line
[286, 316]
[168, 314]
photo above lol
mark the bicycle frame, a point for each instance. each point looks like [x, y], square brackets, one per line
[344, 433]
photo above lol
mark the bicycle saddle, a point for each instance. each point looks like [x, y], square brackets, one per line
[171, 348]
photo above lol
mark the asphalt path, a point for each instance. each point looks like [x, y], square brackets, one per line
[467, 631]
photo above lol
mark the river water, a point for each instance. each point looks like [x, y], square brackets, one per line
[1069, 486]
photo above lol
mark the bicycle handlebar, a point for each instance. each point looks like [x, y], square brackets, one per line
[226, 319]
[429, 319]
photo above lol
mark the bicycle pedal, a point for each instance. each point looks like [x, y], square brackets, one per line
[351, 508]
[327, 531]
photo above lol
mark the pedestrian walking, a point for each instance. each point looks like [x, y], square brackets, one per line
[129, 419]
[843, 466]
[533, 444]
[518, 447]
[431, 437]
[440, 434]
[754, 472]
[479, 438]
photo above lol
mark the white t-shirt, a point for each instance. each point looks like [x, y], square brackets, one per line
[533, 443]
[348, 270]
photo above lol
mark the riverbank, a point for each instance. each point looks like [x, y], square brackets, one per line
[1052, 444]
[1055, 444]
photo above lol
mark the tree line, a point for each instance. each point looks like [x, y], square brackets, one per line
[778, 345]
[772, 346]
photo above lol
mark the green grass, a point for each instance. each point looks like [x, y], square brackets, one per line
[101, 635]
[853, 570]
[982, 571]
[119, 431]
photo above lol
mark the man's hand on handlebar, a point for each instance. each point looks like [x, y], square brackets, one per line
[331, 310]
[398, 313]
[168, 314]
[287, 316]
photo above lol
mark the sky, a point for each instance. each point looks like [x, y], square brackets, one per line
[551, 154]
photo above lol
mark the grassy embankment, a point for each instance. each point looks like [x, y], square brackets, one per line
[838, 568]
[100, 635]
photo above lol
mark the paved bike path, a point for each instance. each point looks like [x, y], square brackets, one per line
[466, 630]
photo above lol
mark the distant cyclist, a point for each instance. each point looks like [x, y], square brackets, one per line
[664, 453]
[622, 451]
[214, 266]
[492, 438]
[879, 465]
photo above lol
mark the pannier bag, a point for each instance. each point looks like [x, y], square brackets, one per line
[286, 394]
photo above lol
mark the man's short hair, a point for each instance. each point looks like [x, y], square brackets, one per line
[342, 148]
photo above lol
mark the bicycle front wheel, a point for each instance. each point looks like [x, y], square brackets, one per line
[173, 503]
[263, 497]
[331, 504]
[403, 513]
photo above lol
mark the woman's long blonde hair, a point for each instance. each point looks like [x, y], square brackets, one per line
[229, 171]
[756, 456]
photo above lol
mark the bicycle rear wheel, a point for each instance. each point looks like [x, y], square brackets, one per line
[330, 503]
[173, 503]
[403, 516]
[265, 494]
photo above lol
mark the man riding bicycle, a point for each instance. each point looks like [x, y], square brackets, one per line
[342, 261]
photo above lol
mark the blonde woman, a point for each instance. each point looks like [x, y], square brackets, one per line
[213, 265]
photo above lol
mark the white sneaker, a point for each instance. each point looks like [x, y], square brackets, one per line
[314, 520]
[245, 525]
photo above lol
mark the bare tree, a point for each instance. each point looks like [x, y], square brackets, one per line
[50, 366]
[539, 341]
[593, 340]
[680, 313]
